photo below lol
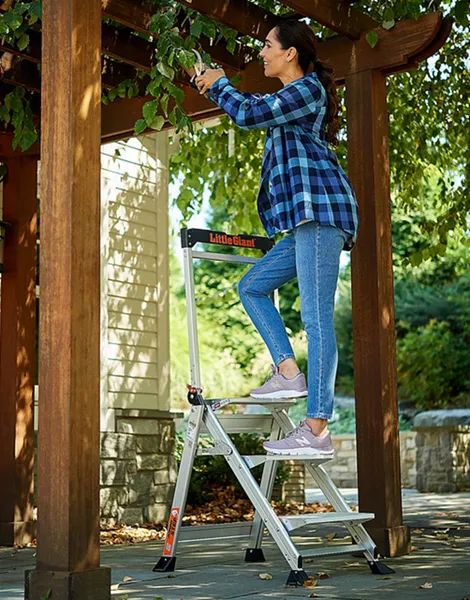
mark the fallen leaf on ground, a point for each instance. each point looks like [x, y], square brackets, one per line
[413, 548]
[265, 576]
[417, 531]
[321, 575]
[310, 582]
[330, 536]
[127, 578]
[427, 585]
[353, 564]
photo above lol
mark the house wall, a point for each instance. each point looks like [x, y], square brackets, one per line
[138, 433]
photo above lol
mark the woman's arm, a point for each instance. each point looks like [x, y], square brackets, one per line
[294, 101]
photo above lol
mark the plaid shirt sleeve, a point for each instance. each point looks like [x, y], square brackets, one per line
[251, 111]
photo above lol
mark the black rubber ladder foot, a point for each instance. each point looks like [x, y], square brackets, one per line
[379, 568]
[254, 555]
[165, 564]
[296, 578]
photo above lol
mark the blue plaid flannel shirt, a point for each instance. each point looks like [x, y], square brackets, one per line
[301, 179]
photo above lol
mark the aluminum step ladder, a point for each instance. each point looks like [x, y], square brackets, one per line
[207, 417]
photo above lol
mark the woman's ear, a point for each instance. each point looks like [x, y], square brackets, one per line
[291, 54]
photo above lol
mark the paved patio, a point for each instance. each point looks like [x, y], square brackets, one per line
[216, 571]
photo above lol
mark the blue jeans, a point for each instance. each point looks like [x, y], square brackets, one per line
[311, 252]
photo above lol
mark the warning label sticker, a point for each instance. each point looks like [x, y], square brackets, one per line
[170, 534]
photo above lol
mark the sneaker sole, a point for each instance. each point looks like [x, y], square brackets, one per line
[281, 394]
[302, 452]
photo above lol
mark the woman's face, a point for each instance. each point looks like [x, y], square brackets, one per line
[275, 58]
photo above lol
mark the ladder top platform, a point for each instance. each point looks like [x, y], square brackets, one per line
[254, 401]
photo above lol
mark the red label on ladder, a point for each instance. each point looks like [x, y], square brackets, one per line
[170, 534]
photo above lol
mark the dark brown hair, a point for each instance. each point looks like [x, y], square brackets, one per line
[293, 33]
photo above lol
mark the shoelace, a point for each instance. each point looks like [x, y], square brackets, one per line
[299, 427]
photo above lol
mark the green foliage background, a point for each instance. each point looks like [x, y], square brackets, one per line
[429, 125]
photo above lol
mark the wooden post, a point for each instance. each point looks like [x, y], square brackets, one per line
[17, 352]
[378, 447]
[69, 360]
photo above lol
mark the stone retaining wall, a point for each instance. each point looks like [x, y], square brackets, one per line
[343, 469]
[138, 467]
[443, 444]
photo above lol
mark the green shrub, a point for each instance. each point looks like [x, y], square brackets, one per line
[434, 366]
[214, 471]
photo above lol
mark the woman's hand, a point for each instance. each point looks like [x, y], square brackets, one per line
[210, 76]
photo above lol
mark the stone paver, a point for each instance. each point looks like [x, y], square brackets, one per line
[216, 571]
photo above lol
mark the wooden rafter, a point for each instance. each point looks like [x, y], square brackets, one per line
[135, 15]
[334, 14]
[245, 17]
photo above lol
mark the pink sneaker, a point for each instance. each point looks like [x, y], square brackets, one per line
[302, 441]
[279, 386]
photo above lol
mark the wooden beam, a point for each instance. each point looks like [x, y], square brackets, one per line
[244, 16]
[378, 445]
[18, 352]
[118, 117]
[135, 15]
[6, 149]
[18, 71]
[69, 371]
[335, 15]
[395, 50]
[398, 49]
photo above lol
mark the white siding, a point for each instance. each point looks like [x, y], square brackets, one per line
[134, 188]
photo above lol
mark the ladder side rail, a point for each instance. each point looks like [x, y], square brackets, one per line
[266, 487]
[181, 489]
[329, 489]
[194, 363]
[220, 256]
[251, 487]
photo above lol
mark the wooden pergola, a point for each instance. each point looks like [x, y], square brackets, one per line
[80, 55]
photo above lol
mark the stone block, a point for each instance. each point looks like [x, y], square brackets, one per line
[141, 488]
[157, 512]
[117, 445]
[161, 477]
[137, 426]
[148, 444]
[131, 516]
[153, 462]
[113, 472]
[112, 499]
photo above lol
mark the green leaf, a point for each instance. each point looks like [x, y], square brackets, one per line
[372, 38]
[28, 138]
[186, 58]
[23, 41]
[166, 70]
[157, 123]
[164, 103]
[176, 92]
[196, 27]
[148, 110]
[388, 24]
[140, 126]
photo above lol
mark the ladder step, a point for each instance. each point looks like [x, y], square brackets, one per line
[292, 522]
[253, 460]
[240, 423]
[216, 402]
[333, 549]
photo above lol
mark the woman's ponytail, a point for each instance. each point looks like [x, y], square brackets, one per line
[293, 33]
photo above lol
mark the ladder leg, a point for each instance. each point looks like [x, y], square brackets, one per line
[357, 531]
[168, 558]
[251, 487]
[254, 552]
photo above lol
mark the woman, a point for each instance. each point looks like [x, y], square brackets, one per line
[305, 193]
